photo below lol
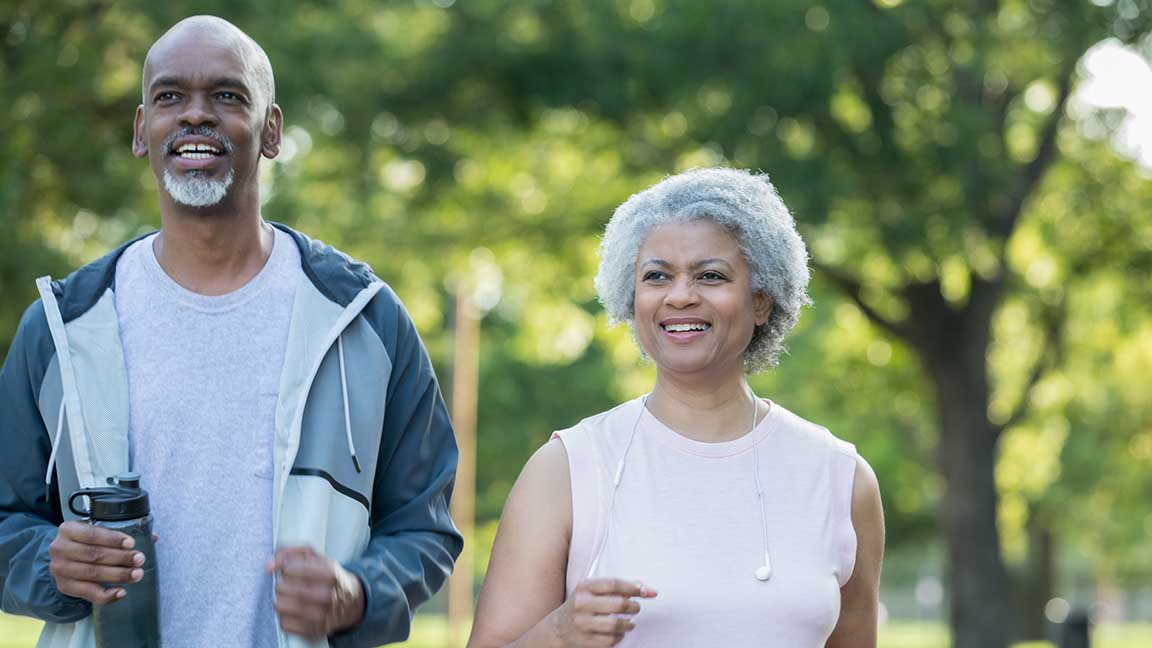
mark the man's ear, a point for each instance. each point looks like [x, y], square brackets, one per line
[762, 306]
[139, 138]
[273, 133]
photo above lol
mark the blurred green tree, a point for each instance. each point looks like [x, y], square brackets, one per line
[911, 138]
[925, 148]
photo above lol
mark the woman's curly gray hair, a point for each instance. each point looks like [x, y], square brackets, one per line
[744, 204]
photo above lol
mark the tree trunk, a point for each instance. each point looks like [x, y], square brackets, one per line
[981, 598]
[1036, 580]
[953, 344]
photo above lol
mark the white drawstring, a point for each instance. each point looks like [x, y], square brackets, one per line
[344, 391]
[52, 456]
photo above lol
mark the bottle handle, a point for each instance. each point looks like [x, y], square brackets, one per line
[85, 492]
[84, 513]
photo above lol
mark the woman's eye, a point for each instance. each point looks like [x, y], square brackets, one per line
[653, 275]
[712, 276]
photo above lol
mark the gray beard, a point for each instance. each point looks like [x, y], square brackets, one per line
[195, 191]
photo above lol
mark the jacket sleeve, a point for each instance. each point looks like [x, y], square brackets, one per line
[413, 542]
[28, 518]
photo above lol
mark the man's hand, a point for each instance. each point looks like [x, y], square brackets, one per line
[315, 596]
[84, 558]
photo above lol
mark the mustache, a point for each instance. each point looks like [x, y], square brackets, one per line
[198, 131]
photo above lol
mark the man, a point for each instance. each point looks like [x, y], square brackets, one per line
[272, 393]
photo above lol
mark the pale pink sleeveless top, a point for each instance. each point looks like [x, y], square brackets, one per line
[685, 522]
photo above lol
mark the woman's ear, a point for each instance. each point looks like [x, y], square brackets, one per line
[762, 306]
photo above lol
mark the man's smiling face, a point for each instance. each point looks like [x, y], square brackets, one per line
[207, 116]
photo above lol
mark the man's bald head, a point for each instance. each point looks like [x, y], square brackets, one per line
[211, 29]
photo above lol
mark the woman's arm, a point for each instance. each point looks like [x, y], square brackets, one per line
[522, 602]
[528, 567]
[860, 596]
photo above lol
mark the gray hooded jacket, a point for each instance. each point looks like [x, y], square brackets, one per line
[364, 453]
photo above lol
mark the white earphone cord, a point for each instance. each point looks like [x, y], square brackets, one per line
[765, 572]
[615, 485]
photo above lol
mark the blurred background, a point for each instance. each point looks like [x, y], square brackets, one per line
[973, 179]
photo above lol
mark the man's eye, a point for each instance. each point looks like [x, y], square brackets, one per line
[165, 96]
[229, 96]
[712, 275]
[654, 275]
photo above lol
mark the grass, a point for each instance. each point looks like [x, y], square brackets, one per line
[18, 632]
[429, 631]
[931, 635]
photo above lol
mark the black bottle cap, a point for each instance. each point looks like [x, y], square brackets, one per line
[123, 501]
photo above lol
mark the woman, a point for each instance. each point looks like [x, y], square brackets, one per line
[699, 514]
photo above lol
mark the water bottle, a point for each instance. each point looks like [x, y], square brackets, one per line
[133, 621]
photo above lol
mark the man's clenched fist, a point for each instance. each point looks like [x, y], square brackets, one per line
[315, 596]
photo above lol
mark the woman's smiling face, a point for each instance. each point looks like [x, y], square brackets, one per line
[695, 310]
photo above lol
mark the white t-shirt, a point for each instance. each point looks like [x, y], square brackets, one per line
[203, 377]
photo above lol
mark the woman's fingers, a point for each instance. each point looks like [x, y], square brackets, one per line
[609, 605]
[611, 595]
[606, 624]
[602, 609]
[602, 586]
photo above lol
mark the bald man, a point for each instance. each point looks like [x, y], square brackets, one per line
[272, 393]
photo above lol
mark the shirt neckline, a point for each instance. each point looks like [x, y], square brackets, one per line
[655, 428]
[217, 303]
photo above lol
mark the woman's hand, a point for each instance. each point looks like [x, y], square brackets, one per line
[599, 612]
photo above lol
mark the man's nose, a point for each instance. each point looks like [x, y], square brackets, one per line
[198, 111]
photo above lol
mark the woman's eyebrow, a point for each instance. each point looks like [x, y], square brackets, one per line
[657, 262]
[694, 266]
[710, 261]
